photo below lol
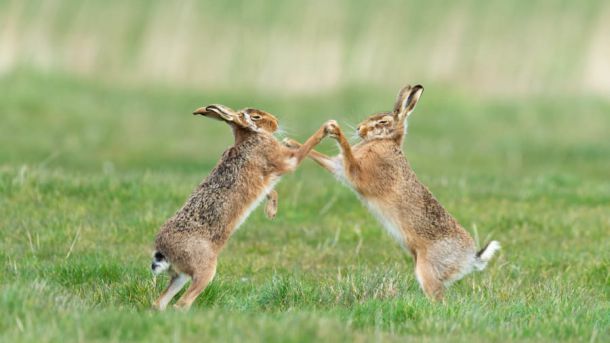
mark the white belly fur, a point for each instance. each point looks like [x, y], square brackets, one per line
[257, 202]
[389, 225]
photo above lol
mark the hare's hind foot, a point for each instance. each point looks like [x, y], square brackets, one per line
[177, 281]
[201, 278]
[428, 281]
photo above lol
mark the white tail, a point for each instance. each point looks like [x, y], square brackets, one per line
[159, 263]
[484, 255]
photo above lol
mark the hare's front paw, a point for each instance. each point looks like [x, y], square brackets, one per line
[290, 143]
[331, 128]
[271, 209]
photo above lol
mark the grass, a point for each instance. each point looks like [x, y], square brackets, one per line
[90, 171]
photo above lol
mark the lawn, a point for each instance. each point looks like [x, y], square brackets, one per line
[90, 170]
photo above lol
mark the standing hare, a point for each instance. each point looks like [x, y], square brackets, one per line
[188, 244]
[377, 170]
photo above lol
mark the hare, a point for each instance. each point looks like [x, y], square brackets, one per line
[377, 170]
[188, 244]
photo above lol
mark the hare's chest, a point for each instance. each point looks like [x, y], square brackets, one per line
[291, 163]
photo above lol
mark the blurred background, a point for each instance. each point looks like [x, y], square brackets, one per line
[487, 47]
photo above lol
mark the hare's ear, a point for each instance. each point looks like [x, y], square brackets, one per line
[219, 112]
[406, 101]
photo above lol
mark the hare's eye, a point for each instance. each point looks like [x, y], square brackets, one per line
[383, 122]
[256, 117]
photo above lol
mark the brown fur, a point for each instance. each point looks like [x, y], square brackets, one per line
[378, 171]
[191, 240]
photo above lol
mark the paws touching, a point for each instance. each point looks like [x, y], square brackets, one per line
[332, 128]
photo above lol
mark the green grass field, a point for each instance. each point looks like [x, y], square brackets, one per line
[89, 171]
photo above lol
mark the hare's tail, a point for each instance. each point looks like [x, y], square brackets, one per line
[485, 254]
[159, 263]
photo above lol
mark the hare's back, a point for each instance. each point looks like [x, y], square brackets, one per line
[225, 193]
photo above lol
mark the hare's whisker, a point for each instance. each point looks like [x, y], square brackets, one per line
[353, 136]
[281, 132]
[350, 125]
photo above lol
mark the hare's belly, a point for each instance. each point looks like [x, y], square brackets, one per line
[338, 171]
[391, 225]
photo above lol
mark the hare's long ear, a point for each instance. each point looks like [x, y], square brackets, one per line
[406, 101]
[219, 112]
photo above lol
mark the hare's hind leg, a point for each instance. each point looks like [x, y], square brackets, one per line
[177, 281]
[200, 279]
[429, 282]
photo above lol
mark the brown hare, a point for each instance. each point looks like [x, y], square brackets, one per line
[188, 244]
[377, 170]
